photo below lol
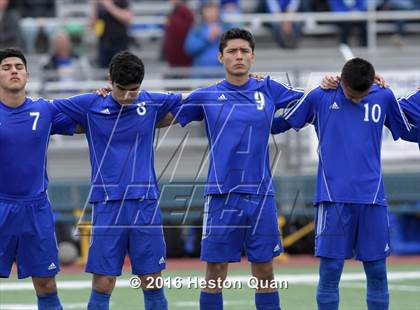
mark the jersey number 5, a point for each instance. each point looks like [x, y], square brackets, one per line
[36, 115]
[375, 113]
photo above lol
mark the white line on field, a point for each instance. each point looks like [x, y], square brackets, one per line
[392, 287]
[35, 307]
[289, 278]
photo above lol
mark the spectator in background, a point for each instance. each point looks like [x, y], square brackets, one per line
[180, 20]
[37, 33]
[203, 40]
[403, 5]
[346, 28]
[110, 20]
[286, 33]
[10, 34]
[63, 64]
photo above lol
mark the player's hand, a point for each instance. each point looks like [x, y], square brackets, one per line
[104, 91]
[379, 79]
[330, 82]
[258, 76]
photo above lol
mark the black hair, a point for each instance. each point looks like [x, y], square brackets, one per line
[358, 74]
[236, 33]
[126, 68]
[12, 52]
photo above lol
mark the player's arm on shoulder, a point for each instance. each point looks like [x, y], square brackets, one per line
[330, 81]
[396, 121]
[169, 118]
[303, 111]
[283, 95]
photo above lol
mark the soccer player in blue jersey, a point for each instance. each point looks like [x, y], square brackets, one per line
[27, 234]
[126, 218]
[240, 206]
[352, 214]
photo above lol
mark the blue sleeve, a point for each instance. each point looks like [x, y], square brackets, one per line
[396, 120]
[191, 109]
[196, 41]
[411, 107]
[279, 125]
[168, 103]
[411, 136]
[76, 107]
[303, 111]
[282, 95]
[61, 124]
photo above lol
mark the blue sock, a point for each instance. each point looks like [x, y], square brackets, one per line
[377, 294]
[211, 301]
[327, 295]
[49, 302]
[267, 301]
[98, 301]
[155, 300]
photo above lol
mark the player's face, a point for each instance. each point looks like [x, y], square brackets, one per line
[237, 57]
[13, 74]
[354, 95]
[125, 94]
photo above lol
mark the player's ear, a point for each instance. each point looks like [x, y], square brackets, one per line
[109, 78]
[220, 57]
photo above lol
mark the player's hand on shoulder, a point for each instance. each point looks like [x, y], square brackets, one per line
[104, 91]
[258, 76]
[379, 79]
[330, 81]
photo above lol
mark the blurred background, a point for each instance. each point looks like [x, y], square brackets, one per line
[69, 43]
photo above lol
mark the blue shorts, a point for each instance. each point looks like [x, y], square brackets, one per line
[344, 230]
[27, 236]
[234, 220]
[130, 227]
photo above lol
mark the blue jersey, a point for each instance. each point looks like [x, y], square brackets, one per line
[24, 135]
[350, 137]
[411, 108]
[238, 121]
[120, 142]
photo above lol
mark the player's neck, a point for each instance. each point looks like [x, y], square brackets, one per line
[12, 99]
[237, 80]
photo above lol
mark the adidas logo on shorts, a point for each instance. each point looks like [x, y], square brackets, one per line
[52, 266]
[276, 248]
[386, 248]
[161, 261]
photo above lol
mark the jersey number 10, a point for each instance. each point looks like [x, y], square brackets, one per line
[375, 113]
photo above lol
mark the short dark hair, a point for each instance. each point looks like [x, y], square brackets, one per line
[358, 74]
[12, 52]
[236, 33]
[126, 68]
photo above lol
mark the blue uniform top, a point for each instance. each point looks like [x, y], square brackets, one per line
[411, 108]
[350, 137]
[120, 142]
[24, 135]
[238, 121]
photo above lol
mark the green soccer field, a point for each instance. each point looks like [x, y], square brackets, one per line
[74, 289]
